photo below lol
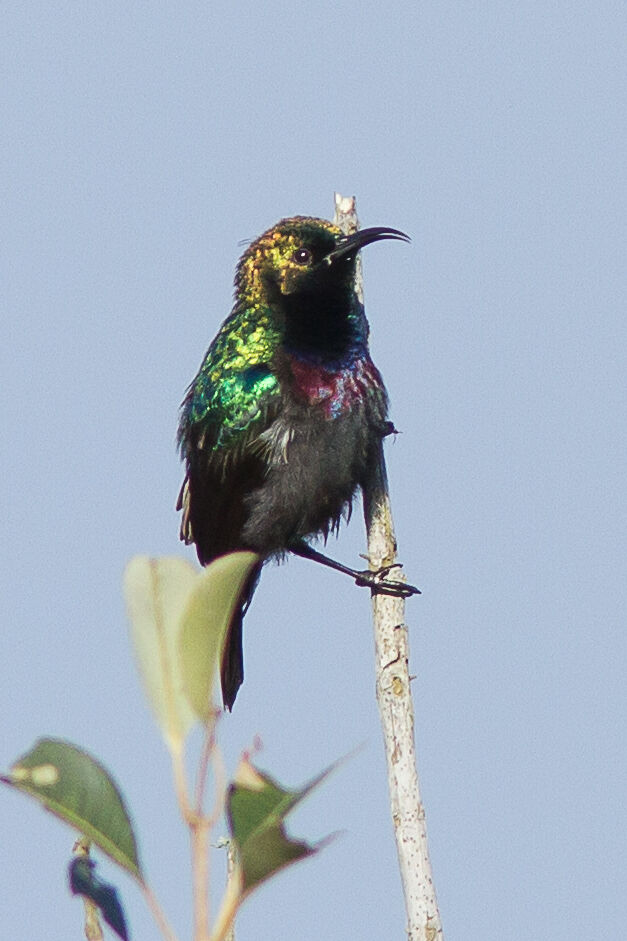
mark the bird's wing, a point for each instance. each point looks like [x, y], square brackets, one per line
[223, 416]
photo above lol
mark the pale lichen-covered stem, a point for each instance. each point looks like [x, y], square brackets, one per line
[93, 928]
[393, 689]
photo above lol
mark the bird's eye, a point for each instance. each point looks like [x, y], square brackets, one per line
[302, 256]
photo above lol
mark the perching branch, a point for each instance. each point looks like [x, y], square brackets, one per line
[393, 688]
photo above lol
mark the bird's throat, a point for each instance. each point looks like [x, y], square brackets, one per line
[326, 328]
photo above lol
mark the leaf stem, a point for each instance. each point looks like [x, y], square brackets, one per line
[157, 912]
[198, 830]
[208, 748]
[177, 754]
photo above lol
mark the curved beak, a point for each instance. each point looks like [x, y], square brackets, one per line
[351, 244]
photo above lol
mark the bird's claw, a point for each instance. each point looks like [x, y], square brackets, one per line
[377, 581]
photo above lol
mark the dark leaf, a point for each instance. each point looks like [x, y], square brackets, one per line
[84, 881]
[256, 808]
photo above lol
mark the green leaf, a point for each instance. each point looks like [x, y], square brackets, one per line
[256, 808]
[75, 787]
[157, 592]
[205, 620]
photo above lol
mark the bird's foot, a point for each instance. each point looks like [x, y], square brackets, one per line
[377, 580]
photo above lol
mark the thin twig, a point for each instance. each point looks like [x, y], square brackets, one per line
[230, 903]
[200, 828]
[231, 859]
[199, 840]
[219, 787]
[393, 689]
[208, 747]
[157, 912]
[177, 754]
[200, 865]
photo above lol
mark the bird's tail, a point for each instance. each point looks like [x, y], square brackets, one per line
[232, 666]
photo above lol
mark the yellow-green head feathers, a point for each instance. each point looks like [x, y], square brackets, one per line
[284, 257]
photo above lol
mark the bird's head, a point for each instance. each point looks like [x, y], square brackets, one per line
[303, 255]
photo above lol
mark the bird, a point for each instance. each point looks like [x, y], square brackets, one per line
[280, 427]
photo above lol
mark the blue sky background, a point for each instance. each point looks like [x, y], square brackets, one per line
[141, 142]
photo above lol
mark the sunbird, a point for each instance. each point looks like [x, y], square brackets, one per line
[284, 419]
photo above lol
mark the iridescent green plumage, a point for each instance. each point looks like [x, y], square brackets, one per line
[235, 382]
[234, 378]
